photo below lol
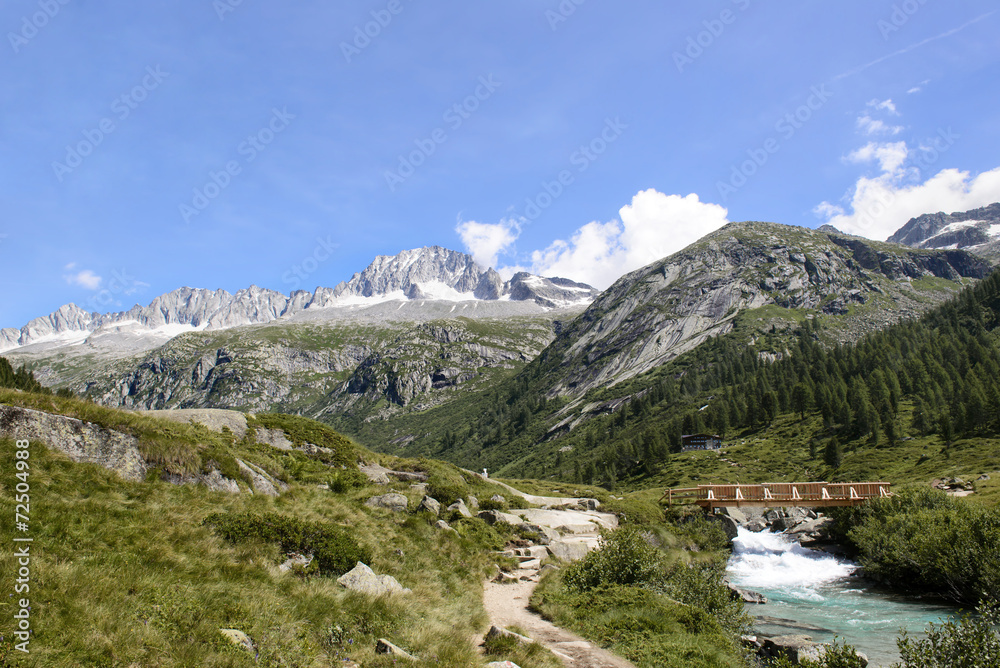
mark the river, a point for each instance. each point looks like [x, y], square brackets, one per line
[811, 593]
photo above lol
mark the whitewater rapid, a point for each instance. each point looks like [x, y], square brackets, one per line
[770, 560]
[810, 592]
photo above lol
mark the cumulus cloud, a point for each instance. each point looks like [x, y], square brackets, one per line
[485, 241]
[870, 125]
[889, 156]
[880, 205]
[85, 278]
[651, 227]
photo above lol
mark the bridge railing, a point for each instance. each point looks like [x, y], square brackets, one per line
[780, 494]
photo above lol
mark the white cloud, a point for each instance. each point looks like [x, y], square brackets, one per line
[884, 105]
[882, 204]
[872, 126]
[889, 156]
[485, 241]
[653, 226]
[86, 278]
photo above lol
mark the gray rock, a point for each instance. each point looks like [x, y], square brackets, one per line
[274, 437]
[491, 517]
[80, 441]
[300, 560]
[363, 579]
[394, 502]
[756, 526]
[239, 639]
[500, 632]
[473, 503]
[543, 535]
[383, 646]
[568, 551]
[736, 514]
[746, 595]
[728, 524]
[502, 664]
[262, 481]
[460, 508]
[444, 526]
[213, 480]
[795, 648]
[497, 498]
[430, 504]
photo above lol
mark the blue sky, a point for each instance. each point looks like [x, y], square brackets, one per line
[147, 146]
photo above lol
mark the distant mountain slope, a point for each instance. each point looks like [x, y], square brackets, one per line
[660, 311]
[423, 274]
[977, 231]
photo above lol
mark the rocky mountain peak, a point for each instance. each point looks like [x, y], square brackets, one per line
[977, 230]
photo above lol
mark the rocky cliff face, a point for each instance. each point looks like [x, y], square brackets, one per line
[314, 368]
[667, 308]
[432, 273]
[978, 231]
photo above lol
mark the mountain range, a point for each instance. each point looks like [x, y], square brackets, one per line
[392, 355]
[420, 275]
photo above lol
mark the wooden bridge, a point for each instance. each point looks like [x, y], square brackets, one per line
[778, 494]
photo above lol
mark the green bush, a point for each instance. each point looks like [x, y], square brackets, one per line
[972, 642]
[921, 539]
[345, 480]
[334, 550]
[490, 504]
[625, 557]
[445, 491]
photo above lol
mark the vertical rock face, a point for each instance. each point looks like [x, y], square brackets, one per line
[432, 273]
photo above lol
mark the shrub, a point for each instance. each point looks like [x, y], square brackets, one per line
[972, 642]
[332, 547]
[922, 539]
[345, 480]
[625, 557]
[490, 504]
[446, 491]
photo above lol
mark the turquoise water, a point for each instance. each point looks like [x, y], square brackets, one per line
[811, 593]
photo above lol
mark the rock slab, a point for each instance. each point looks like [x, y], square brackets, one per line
[363, 579]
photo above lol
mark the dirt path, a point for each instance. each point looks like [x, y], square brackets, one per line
[507, 605]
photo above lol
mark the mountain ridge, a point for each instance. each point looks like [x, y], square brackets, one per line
[429, 273]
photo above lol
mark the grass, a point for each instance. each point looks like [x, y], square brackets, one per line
[129, 574]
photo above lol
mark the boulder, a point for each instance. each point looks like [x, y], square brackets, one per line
[543, 534]
[394, 502]
[496, 498]
[491, 517]
[276, 438]
[502, 664]
[500, 632]
[738, 516]
[568, 551]
[239, 639]
[383, 646]
[460, 508]
[363, 579]
[755, 525]
[300, 560]
[263, 482]
[430, 504]
[473, 502]
[728, 524]
[444, 526]
[795, 648]
[746, 595]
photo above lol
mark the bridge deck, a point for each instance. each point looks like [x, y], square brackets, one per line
[771, 495]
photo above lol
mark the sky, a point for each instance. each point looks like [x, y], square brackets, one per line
[222, 143]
